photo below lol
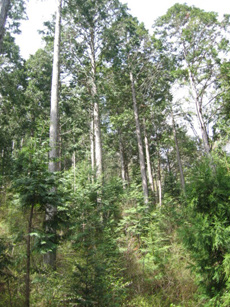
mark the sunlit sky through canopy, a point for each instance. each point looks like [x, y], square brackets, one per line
[145, 10]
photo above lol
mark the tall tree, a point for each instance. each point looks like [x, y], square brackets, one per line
[195, 39]
[51, 211]
[87, 23]
[127, 50]
[139, 141]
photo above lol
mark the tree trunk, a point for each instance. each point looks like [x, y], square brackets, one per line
[92, 143]
[122, 159]
[178, 155]
[149, 169]
[155, 183]
[4, 9]
[27, 298]
[96, 112]
[139, 142]
[74, 170]
[198, 104]
[159, 182]
[51, 211]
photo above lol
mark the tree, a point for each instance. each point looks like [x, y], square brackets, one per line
[178, 154]
[127, 50]
[139, 141]
[195, 40]
[51, 211]
[11, 11]
[89, 20]
[4, 9]
[206, 230]
[33, 183]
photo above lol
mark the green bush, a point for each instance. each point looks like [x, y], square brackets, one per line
[206, 229]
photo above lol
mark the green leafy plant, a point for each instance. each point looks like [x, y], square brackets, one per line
[206, 227]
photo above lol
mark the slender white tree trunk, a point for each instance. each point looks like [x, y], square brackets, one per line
[92, 143]
[74, 170]
[155, 183]
[139, 142]
[149, 169]
[178, 155]
[198, 104]
[4, 8]
[98, 147]
[96, 112]
[50, 257]
[122, 159]
[159, 182]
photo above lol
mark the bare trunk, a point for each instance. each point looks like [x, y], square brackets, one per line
[178, 156]
[92, 144]
[54, 118]
[51, 211]
[139, 142]
[149, 169]
[98, 148]
[74, 170]
[159, 182]
[155, 184]
[4, 9]
[122, 159]
[27, 298]
[198, 104]
[96, 112]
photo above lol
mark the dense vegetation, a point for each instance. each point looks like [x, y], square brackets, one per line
[126, 201]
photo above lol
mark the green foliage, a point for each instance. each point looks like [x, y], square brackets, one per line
[206, 229]
[5, 258]
[16, 13]
[96, 274]
[35, 186]
[32, 181]
[112, 249]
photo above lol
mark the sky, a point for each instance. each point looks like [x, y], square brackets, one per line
[39, 11]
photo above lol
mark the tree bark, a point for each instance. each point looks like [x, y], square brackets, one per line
[159, 182]
[122, 159]
[4, 9]
[198, 104]
[96, 111]
[149, 169]
[92, 143]
[51, 211]
[178, 155]
[155, 183]
[74, 170]
[139, 141]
